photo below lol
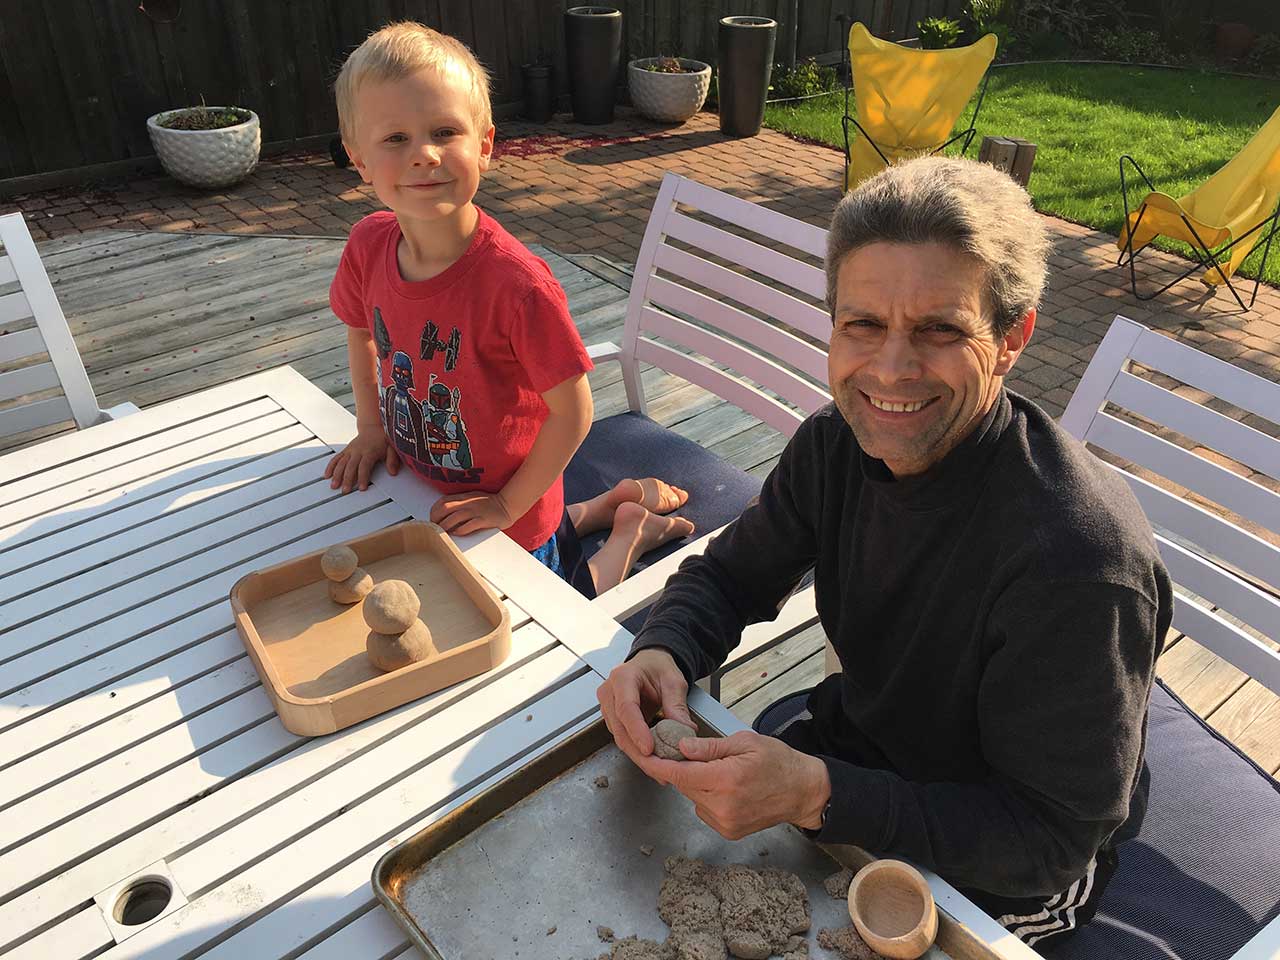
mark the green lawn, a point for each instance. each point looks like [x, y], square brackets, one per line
[1180, 126]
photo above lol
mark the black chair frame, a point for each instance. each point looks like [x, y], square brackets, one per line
[1206, 257]
[846, 67]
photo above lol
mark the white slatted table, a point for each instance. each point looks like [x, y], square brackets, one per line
[133, 728]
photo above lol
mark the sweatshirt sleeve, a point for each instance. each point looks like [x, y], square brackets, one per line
[747, 571]
[1062, 709]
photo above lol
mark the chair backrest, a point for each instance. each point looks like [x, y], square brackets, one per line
[1244, 192]
[715, 296]
[1227, 556]
[37, 352]
[908, 101]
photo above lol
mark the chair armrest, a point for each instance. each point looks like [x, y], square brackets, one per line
[1265, 944]
[121, 410]
[642, 588]
[603, 352]
[799, 612]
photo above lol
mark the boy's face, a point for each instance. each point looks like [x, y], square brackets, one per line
[417, 143]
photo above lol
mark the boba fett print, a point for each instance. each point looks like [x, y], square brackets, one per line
[429, 431]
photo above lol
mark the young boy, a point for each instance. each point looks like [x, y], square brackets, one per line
[465, 362]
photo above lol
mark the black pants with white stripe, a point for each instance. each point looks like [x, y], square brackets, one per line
[1032, 920]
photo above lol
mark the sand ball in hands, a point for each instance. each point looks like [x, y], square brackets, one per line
[348, 582]
[667, 735]
[397, 637]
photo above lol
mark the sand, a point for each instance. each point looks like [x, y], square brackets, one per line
[847, 942]
[837, 885]
[667, 735]
[717, 912]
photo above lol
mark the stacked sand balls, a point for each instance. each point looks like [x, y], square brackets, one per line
[397, 637]
[348, 582]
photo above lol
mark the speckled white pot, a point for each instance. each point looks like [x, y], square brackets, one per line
[207, 158]
[672, 97]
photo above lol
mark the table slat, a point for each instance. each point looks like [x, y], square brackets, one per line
[81, 545]
[85, 871]
[89, 468]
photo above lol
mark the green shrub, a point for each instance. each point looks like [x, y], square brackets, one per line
[938, 33]
[204, 118]
[1265, 55]
[1134, 46]
[1069, 19]
[983, 15]
[803, 80]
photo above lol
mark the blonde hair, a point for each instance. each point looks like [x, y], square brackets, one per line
[400, 50]
[969, 206]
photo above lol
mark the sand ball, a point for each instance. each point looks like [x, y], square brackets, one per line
[388, 651]
[353, 589]
[667, 735]
[391, 607]
[339, 562]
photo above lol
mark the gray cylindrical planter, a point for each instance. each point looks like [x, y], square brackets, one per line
[539, 92]
[593, 48]
[207, 158]
[745, 62]
[669, 97]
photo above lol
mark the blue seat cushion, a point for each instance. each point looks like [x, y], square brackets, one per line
[630, 445]
[1202, 875]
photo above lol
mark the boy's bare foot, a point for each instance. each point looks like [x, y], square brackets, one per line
[656, 496]
[648, 530]
[636, 530]
[653, 494]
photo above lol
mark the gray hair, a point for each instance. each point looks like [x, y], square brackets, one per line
[970, 206]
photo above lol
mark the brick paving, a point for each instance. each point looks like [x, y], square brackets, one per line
[589, 190]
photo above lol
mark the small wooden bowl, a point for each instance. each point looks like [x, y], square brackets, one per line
[890, 904]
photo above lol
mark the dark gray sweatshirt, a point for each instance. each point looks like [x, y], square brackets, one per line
[997, 619]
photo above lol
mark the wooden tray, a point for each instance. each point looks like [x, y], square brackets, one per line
[310, 650]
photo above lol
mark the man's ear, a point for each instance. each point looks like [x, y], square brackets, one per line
[357, 161]
[486, 147]
[1014, 342]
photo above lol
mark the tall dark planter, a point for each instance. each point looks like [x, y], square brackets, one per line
[593, 42]
[744, 64]
[539, 92]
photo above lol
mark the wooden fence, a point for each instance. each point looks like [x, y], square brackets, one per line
[78, 78]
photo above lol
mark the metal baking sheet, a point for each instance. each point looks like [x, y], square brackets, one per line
[531, 868]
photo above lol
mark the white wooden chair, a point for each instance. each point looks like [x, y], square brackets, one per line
[712, 303]
[1212, 811]
[35, 328]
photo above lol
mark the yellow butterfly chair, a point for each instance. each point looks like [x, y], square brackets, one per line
[908, 101]
[1231, 211]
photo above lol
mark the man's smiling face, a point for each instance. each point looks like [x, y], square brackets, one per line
[914, 363]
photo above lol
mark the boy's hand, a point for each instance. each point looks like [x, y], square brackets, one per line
[463, 513]
[352, 467]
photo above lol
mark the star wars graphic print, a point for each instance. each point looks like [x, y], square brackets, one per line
[429, 431]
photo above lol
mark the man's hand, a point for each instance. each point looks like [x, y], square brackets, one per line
[463, 513]
[745, 783]
[355, 463]
[634, 692]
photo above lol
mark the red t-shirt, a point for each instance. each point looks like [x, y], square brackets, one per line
[464, 357]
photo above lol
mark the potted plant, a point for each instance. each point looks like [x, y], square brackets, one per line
[206, 146]
[670, 89]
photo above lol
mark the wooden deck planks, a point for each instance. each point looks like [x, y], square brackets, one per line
[159, 316]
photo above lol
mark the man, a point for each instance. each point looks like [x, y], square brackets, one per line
[992, 590]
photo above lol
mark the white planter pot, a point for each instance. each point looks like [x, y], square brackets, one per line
[207, 158]
[672, 97]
